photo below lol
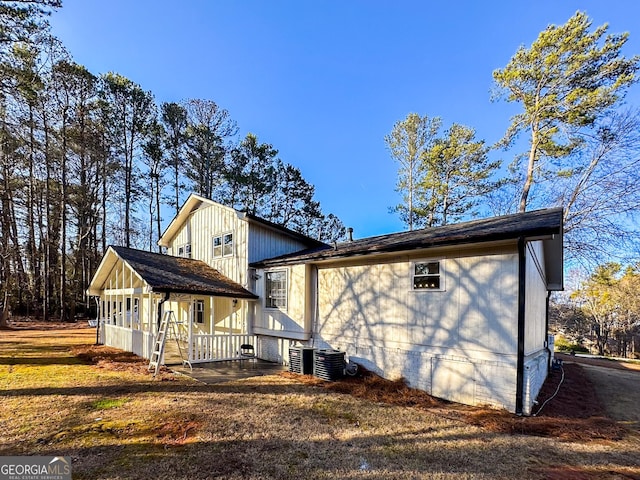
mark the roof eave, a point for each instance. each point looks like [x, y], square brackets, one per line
[284, 230]
[400, 248]
[209, 293]
[180, 218]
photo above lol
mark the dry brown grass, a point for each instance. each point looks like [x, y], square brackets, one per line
[575, 413]
[58, 395]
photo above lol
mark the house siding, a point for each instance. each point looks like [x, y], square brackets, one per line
[536, 294]
[268, 243]
[375, 305]
[291, 322]
[459, 343]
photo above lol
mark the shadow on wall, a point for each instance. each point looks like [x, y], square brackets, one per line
[459, 343]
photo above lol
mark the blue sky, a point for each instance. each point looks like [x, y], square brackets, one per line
[324, 81]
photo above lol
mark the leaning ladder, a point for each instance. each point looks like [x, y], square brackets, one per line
[168, 319]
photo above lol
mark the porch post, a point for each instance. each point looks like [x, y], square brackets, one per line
[190, 320]
[150, 312]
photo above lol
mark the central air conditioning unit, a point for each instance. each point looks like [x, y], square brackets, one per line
[301, 360]
[328, 364]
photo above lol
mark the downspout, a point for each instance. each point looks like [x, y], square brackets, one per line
[98, 315]
[160, 303]
[546, 332]
[522, 283]
[316, 298]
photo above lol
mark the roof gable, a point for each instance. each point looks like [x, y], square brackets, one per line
[164, 273]
[190, 205]
[195, 202]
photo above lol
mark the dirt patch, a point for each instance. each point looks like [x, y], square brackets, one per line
[619, 391]
[117, 360]
[23, 323]
[576, 397]
[177, 432]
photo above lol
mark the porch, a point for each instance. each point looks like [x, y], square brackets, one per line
[211, 314]
[204, 348]
[199, 348]
[226, 371]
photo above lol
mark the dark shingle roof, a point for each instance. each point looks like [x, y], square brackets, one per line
[308, 241]
[165, 273]
[528, 224]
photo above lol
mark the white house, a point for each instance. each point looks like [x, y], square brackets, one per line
[459, 311]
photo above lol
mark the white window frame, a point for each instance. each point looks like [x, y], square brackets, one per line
[267, 292]
[223, 247]
[214, 246]
[184, 250]
[441, 275]
[197, 303]
[231, 244]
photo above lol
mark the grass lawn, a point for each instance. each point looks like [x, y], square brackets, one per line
[59, 396]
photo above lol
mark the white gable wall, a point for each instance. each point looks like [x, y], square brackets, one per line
[251, 240]
[199, 230]
[535, 312]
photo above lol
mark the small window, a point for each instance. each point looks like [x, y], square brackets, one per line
[198, 311]
[227, 245]
[276, 289]
[185, 251]
[217, 246]
[427, 276]
[223, 245]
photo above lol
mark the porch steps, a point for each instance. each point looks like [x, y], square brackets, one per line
[168, 320]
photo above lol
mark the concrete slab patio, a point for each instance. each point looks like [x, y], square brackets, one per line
[226, 371]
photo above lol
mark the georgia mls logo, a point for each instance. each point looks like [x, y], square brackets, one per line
[35, 468]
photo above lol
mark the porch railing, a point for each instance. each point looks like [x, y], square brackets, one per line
[136, 341]
[210, 348]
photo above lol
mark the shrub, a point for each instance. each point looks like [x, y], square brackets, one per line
[564, 345]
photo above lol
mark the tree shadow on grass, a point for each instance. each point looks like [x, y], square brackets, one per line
[41, 361]
[180, 453]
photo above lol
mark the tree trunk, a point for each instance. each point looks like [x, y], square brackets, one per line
[533, 152]
[63, 222]
[4, 315]
[32, 254]
[46, 298]
[158, 219]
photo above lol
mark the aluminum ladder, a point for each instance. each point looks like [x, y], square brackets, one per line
[168, 320]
